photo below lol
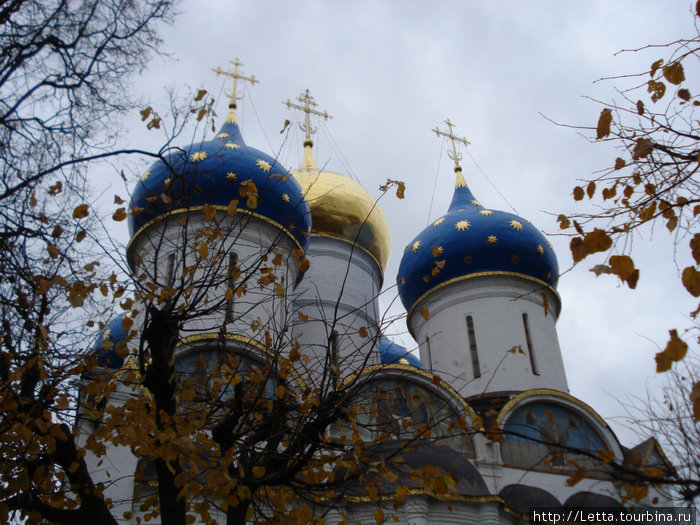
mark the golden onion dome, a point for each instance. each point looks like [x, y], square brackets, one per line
[341, 208]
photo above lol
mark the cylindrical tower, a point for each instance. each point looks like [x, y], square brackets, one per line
[348, 252]
[479, 288]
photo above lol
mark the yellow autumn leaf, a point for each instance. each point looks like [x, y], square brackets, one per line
[606, 456]
[203, 250]
[363, 332]
[304, 264]
[233, 207]
[81, 211]
[675, 350]
[604, 121]
[208, 212]
[578, 193]
[258, 472]
[623, 267]
[695, 399]
[425, 313]
[674, 73]
[691, 280]
[119, 215]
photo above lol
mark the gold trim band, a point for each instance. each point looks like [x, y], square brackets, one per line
[549, 392]
[199, 208]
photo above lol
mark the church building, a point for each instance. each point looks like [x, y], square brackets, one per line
[486, 391]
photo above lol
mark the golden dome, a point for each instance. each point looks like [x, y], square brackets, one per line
[342, 208]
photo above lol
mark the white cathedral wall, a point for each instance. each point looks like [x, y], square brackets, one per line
[116, 468]
[496, 305]
[160, 251]
[424, 510]
[338, 294]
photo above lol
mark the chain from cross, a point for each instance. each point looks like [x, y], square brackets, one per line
[308, 103]
[236, 76]
[454, 139]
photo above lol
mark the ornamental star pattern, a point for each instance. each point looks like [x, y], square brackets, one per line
[415, 246]
[145, 174]
[222, 135]
[492, 239]
[540, 249]
[198, 155]
[439, 221]
[485, 212]
[476, 203]
[232, 145]
[516, 225]
[231, 176]
[263, 165]
[285, 198]
[462, 225]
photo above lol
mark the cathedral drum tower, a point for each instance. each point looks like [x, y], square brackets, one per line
[479, 288]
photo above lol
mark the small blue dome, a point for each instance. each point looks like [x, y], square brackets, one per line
[216, 172]
[391, 353]
[469, 240]
[109, 347]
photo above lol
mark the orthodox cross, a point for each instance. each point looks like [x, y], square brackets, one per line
[308, 103]
[454, 139]
[236, 76]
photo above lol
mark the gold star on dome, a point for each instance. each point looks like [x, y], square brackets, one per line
[485, 212]
[232, 145]
[198, 155]
[415, 246]
[476, 203]
[426, 278]
[106, 335]
[437, 251]
[145, 174]
[167, 182]
[540, 249]
[492, 239]
[222, 135]
[550, 245]
[462, 225]
[516, 225]
[403, 361]
[263, 165]
[285, 198]
[439, 221]
[231, 176]
[403, 281]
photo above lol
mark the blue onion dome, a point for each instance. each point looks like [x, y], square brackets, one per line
[392, 353]
[216, 172]
[110, 346]
[471, 240]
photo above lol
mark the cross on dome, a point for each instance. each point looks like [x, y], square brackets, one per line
[236, 76]
[454, 139]
[307, 105]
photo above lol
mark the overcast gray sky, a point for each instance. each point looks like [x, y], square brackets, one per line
[389, 72]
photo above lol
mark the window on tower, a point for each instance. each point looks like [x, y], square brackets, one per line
[471, 333]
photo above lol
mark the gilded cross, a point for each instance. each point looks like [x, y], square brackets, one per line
[236, 76]
[307, 105]
[454, 139]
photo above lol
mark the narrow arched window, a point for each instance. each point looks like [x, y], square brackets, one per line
[533, 361]
[231, 285]
[428, 354]
[471, 333]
